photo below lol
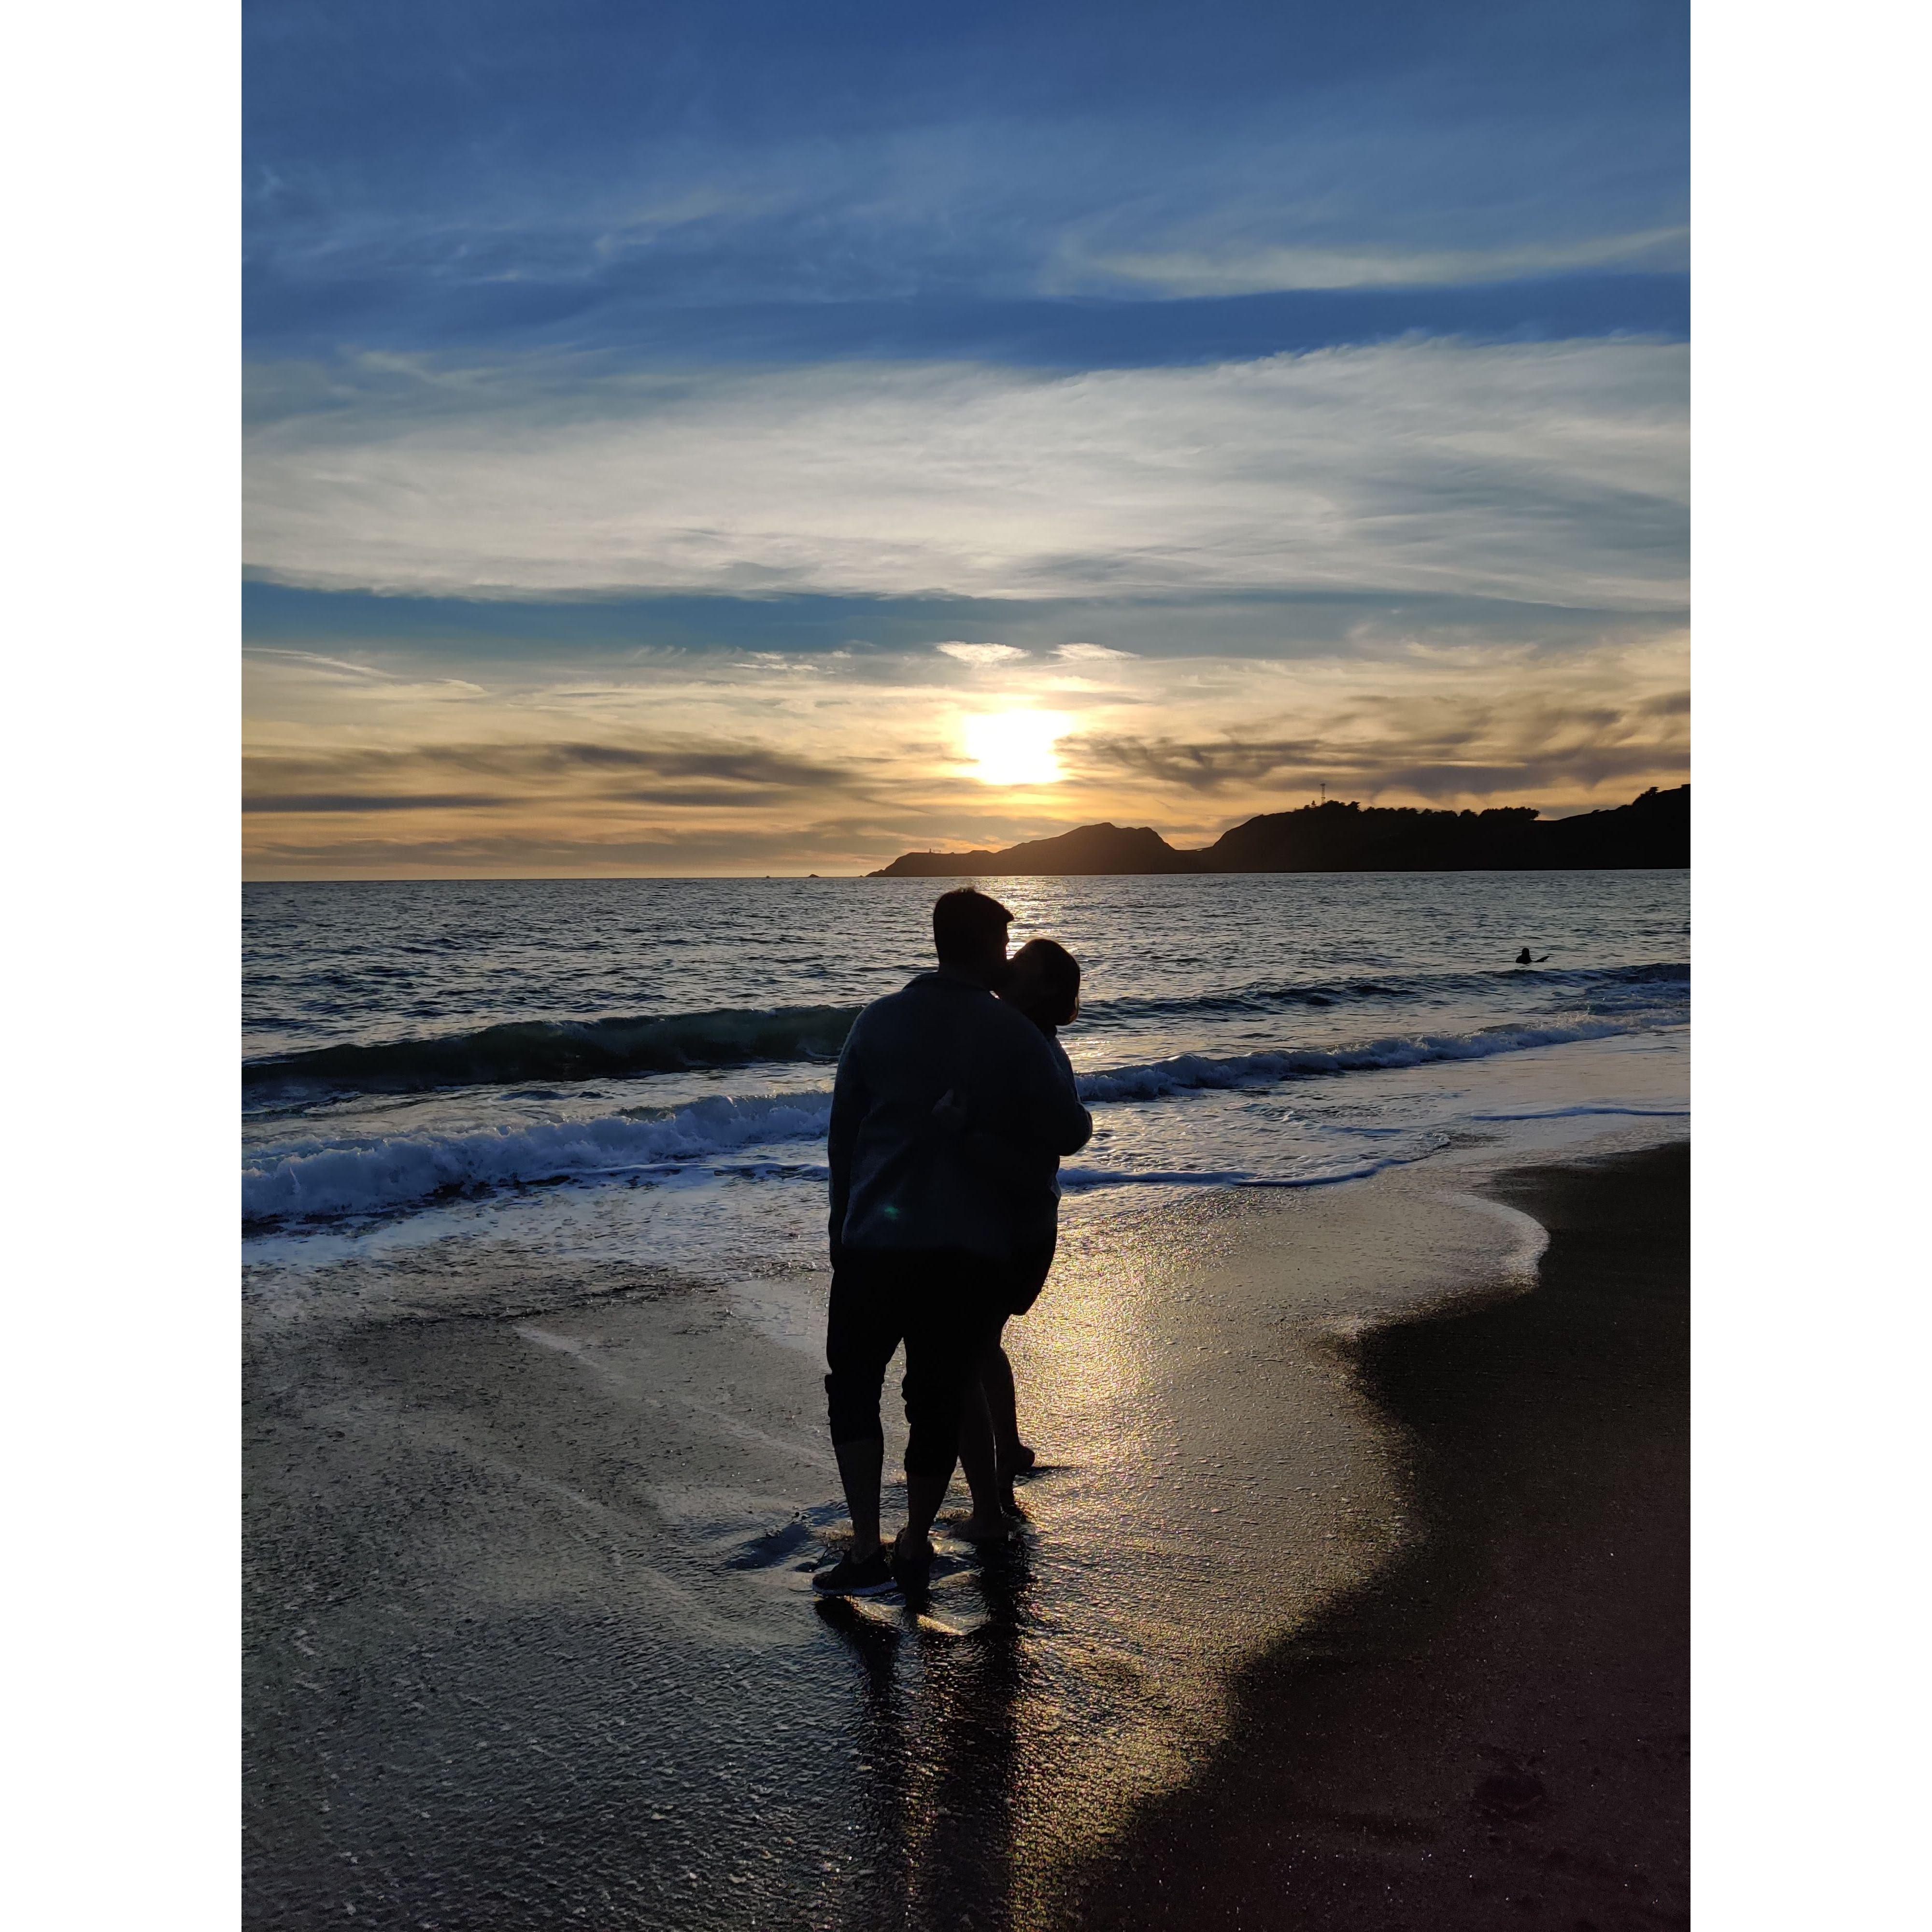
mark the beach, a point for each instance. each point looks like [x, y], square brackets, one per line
[1352, 1593]
[960, 638]
[1494, 1729]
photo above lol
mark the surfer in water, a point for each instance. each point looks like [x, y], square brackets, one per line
[1522, 958]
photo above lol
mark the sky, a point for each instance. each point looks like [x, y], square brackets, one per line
[742, 438]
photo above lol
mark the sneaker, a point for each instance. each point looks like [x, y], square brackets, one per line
[863, 1576]
[912, 1569]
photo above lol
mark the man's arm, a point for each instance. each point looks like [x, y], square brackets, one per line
[850, 1101]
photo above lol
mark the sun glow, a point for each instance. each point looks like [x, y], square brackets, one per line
[1016, 748]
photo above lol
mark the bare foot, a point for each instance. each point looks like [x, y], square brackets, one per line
[977, 1528]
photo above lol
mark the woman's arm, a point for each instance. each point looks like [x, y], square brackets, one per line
[1018, 1160]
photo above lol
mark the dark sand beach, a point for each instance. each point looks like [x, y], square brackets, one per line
[1494, 1731]
[1333, 1612]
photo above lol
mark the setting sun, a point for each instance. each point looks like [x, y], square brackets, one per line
[1016, 748]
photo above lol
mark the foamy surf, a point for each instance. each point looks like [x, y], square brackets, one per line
[402, 1171]
[1266, 1068]
[396, 1173]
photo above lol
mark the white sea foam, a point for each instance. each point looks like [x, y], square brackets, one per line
[1530, 1238]
[400, 1171]
[1266, 1068]
[1583, 1110]
[396, 1172]
[1305, 1173]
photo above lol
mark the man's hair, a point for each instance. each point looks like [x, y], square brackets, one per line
[1057, 972]
[965, 922]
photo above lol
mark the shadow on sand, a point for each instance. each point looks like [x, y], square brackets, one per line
[938, 1732]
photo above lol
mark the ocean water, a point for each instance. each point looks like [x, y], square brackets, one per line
[644, 1066]
[532, 1634]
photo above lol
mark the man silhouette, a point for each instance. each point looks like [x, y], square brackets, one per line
[921, 1237]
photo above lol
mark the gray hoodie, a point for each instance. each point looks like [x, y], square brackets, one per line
[897, 1182]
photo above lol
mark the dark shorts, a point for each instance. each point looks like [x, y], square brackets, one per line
[946, 1307]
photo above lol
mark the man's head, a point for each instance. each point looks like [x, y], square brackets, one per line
[969, 932]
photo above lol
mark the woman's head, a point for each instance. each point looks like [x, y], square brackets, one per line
[1043, 981]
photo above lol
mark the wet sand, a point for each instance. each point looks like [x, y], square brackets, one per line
[531, 1641]
[1494, 1731]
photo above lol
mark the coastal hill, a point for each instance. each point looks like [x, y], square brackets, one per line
[1653, 830]
[1082, 854]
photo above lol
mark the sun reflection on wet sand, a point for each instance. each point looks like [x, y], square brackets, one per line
[1210, 1479]
[602, 1494]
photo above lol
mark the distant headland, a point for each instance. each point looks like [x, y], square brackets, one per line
[1653, 830]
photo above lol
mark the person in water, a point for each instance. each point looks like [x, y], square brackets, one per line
[1522, 958]
[924, 1238]
[1043, 983]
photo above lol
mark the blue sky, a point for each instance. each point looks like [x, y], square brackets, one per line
[688, 355]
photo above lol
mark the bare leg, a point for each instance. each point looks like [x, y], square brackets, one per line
[1011, 1454]
[988, 1523]
[860, 1464]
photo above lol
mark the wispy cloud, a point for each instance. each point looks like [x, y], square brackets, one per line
[727, 769]
[596, 173]
[376, 801]
[640, 436]
[982, 654]
[1234, 269]
[317, 660]
[875, 754]
[1438, 744]
[1548, 473]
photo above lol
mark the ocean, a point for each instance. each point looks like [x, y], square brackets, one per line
[534, 1190]
[644, 1067]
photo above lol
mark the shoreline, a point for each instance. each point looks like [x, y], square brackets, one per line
[529, 1632]
[1496, 1723]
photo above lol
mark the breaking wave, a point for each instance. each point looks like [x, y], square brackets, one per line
[1266, 1068]
[406, 1170]
[535, 1051]
[387, 1175]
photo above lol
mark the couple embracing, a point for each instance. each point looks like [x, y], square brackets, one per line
[953, 1104]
